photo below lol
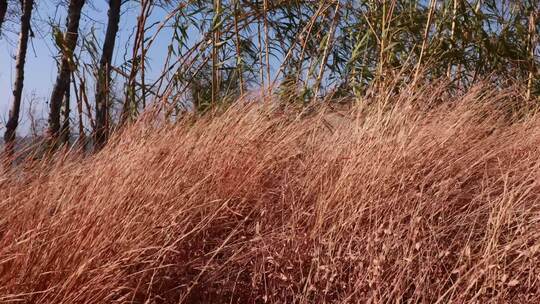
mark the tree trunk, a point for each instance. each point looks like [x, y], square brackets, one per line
[3, 10]
[65, 132]
[13, 120]
[104, 75]
[66, 67]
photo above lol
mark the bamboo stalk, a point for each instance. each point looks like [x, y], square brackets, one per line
[425, 39]
[531, 49]
[452, 35]
[239, 60]
[307, 37]
[266, 42]
[78, 97]
[215, 51]
[130, 104]
[143, 53]
[326, 50]
[259, 37]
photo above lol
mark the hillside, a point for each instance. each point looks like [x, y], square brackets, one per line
[419, 202]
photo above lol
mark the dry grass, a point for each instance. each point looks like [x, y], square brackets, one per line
[421, 203]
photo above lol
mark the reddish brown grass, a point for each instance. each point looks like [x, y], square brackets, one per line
[421, 202]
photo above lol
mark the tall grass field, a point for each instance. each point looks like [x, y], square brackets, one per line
[424, 198]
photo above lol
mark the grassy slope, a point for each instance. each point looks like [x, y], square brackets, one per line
[423, 202]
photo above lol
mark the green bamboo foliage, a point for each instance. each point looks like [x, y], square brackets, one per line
[334, 47]
[304, 51]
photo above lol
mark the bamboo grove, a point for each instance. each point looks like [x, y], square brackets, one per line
[292, 50]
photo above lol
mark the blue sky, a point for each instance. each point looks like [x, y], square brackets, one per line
[41, 67]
